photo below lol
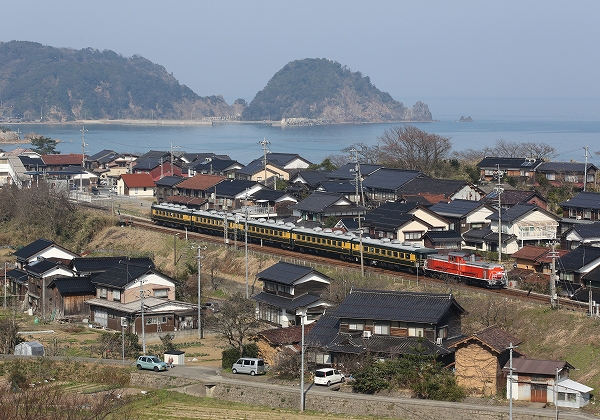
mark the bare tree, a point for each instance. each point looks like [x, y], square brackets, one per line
[366, 154]
[513, 149]
[411, 148]
[237, 320]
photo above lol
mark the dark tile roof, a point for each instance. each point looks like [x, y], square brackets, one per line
[455, 208]
[121, 274]
[32, 163]
[380, 344]
[588, 230]
[286, 303]
[494, 337]
[518, 211]
[266, 194]
[440, 236]
[100, 264]
[232, 187]
[579, 257]
[318, 201]
[565, 167]
[312, 178]
[73, 285]
[485, 234]
[343, 187]
[203, 157]
[286, 273]
[102, 154]
[146, 164]
[587, 200]
[424, 184]
[169, 181]
[40, 267]
[18, 276]
[389, 179]
[33, 248]
[397, 306]
[216, 165]
[155, 155]
[511, 197]
[390, 215]
[509, 163]
[347, 171]
[583, 293]
[324, 331]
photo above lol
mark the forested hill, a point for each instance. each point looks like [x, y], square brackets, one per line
[328, 92]
[63, 84]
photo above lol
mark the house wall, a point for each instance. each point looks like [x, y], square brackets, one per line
[467, 193]
[477, 369]
[271, 171]
[413, 226]
[431, 219]
[68, 305]
[52, 252]
[151, 282]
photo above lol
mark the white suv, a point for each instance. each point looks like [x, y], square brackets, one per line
[328, 376]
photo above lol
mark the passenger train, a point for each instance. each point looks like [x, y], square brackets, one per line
[385, 253]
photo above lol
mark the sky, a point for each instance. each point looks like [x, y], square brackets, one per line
[414, 50]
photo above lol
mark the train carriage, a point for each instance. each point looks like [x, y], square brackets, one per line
[172, 215]
[322, 241]
[269, 232]
[392, 253]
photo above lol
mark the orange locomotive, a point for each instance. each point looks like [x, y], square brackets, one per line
[467, 267]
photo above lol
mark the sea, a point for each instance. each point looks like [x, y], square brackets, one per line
[568, 125]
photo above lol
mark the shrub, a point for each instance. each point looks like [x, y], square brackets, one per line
[230, 355]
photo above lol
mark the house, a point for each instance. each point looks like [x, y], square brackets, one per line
[56, 162]
[537, 259]
[509, 198]
[167, 186]
[291, 293]
[197, 186]
[348, 171]
[387, 324]
[520, 168]
[480, 358]
[347, 188]
[272, 203]
[584, 206]
[17, 283]
[273, 166]
[406, 222]
[67, 296]
[308, 179]
[440, 190]
[136, 185]
[40, 274]
[521, 224]
[442, 239]
[386, 184]
[223, 167]
[320, 205]
[231, 194]
[561, 173]
[158, 168]
[42, 249]
[535, 380]
[577, 263]
[116, 166]
[579, 234]
[92, 266]
[463, 215]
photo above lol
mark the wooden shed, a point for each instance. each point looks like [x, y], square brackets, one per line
[67, 296]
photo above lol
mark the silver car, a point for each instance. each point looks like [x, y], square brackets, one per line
[249, 365]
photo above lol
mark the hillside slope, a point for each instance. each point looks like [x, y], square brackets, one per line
[61, 84]
[326, 91]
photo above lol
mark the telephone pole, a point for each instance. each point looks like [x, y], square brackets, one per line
[499, 190]
[586, 148]
[265, 143]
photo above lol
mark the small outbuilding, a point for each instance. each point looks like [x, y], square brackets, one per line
[29, 348]
[178, 357]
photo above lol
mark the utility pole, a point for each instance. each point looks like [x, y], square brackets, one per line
[553, 297]
[510, 380]
[200, 330]
[176, 147]
[265, 144]
[499, 191]
[83, 130]
[586, 148]
[359, 197]
[246, 249]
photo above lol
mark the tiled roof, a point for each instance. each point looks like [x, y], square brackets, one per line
[485, 234]
[587, 200]
[390, 215]
[217, 165]
[565, 167]
[494, 337]
[145, 164]
[121, 274]
[169, 181]
[509, 163]
[591, 230]
[101, 154]
[396, 306]
[512, 197]
[187, 201]
[231, 188]
[347, 171]
[138, 180]
[33, 248]
[73, 285]
[535, 366]
[40, 267]
[389, 179]
[518, 211]
[579, 257]
[343, 187]
[271, 195]
[312, 178]
[19, 276]
[63, 159]
[423, 184]
[100, 264]
[286, 273]
[287, 303]
[289, 335]
[200, 182]
[440, 236]
[318, 201]
[324, 331]
[530, 252]
[151, 305]
[455, 208]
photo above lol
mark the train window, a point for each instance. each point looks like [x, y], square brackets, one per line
[395, 254]
[371, 249]
[328, 241]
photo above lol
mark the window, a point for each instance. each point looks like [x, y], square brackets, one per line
[415, 236]
[116, 294]
[415, 331]
[587, 214]
[381, 328]
[356, 326]
[103, 292]
[161, 293]
[572, 212]
[571, 178]
[550, 177]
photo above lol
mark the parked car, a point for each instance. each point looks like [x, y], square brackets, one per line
[151, 363]
[249, 365]
[328, 376]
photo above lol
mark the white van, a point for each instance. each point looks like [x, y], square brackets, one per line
[249, 365]
[328, 376]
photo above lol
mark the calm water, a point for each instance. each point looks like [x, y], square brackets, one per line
[567, 132]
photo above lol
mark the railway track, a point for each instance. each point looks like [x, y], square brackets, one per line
[528, 296]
